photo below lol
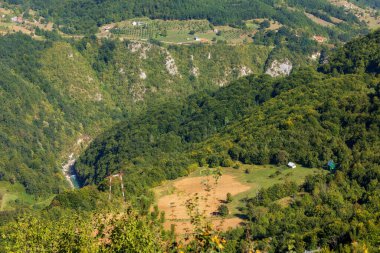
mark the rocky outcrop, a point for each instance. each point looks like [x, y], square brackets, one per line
[138, 91]
[170, 65]
[142, 75]
[279, 68]
[315, 56]
[244, 71]
[142, 48]
[194, 71]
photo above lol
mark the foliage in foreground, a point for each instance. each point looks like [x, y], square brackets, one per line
[119, 232]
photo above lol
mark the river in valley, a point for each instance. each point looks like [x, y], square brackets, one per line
[69, 172]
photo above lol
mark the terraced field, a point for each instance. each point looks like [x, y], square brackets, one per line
[176, 31]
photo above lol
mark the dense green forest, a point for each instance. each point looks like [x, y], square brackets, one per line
[56, 92]
[159, 139]
[358, 56]
[157, 112]
[153, 144]
[85, 16]
[309, 117]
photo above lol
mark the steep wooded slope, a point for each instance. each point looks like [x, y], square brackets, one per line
[311, 117]
[55, 94]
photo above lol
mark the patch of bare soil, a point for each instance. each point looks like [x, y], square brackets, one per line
[209, 195]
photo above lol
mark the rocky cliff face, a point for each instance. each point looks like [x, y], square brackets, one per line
[279, 68]
[141, 70]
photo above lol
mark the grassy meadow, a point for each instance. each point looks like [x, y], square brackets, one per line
[251, 177]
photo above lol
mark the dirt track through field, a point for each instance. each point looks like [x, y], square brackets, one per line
[210, 195]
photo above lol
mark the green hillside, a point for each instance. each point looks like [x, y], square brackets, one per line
[57, 95]
[309, 117]
[157, 89]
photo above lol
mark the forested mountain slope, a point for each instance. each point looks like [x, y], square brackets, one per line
[358, 56]
[55, 93]
[308, 117]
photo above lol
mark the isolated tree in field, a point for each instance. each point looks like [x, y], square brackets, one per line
[223, 210]
[229, 198]
[265, 24]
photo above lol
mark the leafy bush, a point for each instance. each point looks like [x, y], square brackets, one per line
[223, 210]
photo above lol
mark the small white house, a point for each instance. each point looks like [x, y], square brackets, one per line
[138, 23]
[197, 38]
[292, 165]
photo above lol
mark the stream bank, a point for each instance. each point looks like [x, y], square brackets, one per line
[69, 172]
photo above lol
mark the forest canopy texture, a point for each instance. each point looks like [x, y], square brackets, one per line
[309, 117]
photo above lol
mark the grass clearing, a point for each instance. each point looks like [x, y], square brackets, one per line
[12, 193]
[274, 25]
[13, 196]
[258, 177]
[242, 183]
[319, 21]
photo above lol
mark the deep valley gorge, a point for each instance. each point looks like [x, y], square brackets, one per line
[189, 126]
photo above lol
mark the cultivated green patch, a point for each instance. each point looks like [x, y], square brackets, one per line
[13, 196]
[264, 176]
[178, 31]
[256, 177]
